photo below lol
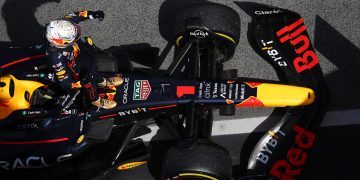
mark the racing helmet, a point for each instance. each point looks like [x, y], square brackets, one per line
[7, 88]
[62, 33]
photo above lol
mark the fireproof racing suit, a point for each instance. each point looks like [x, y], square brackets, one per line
[72, 68]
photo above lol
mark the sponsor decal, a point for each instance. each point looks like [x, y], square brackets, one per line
[269, 147]
[207, 90]
[290, 167]
[200, 93]
[131, 165]
[68, 112]
[132, 111]
[126, 88]
[274, 11]
[34, 112]
[32, 75]
[250, 102]
[307, 58]
[199, 34]
[273, 53]
[142, 89]
[51, 77]
[215, 91]
[58, 65]
[242, 92]
[223, 91]
[163, 87]
[30, 162]
[64, 117]
[184, 90]
[27, 126]
[231, 90]
[42, 67]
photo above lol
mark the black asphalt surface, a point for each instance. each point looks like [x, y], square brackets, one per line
[333, 27]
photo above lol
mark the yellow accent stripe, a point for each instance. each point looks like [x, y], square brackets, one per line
[61, 77]
[198, 175]
[178, 40]
[277, 95]
[89, 41]
[130, 165]
[80, 139]
[61, 73]
[267, 48]
[273, 134]
[226, 37]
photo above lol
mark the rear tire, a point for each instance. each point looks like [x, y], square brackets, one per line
[197, 159]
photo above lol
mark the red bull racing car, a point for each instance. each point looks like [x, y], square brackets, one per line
[43, 127]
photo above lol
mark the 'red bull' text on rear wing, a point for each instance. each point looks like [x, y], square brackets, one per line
[280, 37]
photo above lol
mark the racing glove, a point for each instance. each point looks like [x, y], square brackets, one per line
[80, 16]
[98, 15]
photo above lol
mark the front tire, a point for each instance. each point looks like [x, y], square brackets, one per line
[222, 21]
[197, 159]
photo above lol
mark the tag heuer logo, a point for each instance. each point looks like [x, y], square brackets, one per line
[142, 89]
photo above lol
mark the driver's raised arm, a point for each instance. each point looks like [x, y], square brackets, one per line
[79, 16]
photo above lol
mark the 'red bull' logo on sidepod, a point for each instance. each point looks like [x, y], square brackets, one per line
[296, 156]
[142, 89]
[307, 58]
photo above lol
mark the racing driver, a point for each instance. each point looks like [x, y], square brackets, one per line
[73, 68]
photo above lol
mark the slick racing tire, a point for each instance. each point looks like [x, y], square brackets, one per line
[196, 159]
[222, 21]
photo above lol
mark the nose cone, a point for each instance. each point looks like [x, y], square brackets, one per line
[276, 95]
[4, 88]
[310, 97]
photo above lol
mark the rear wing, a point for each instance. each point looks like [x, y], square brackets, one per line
[280, 37]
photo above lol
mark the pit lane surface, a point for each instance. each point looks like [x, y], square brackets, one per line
[332, 26]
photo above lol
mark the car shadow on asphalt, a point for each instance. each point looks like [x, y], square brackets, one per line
[21, 24]
[342, 83]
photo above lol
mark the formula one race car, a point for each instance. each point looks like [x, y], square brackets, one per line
[42, 126]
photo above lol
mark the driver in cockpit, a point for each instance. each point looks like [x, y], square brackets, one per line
[72, 68]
